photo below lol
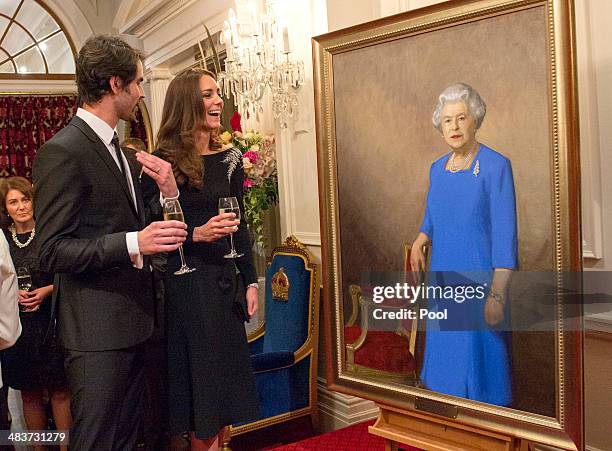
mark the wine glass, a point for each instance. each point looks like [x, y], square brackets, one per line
[24, 282]
[173, 211]
[230, 205]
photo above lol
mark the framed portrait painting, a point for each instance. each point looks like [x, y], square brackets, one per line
[457, 121]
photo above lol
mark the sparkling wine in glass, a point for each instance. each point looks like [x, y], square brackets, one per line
[24, 282]
[230, 205]
[173, 212]
[24, 279]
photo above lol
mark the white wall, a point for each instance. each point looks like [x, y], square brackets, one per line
[595, 76]
[596, 122]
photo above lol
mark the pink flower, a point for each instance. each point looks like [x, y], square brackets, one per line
[251, 156]
[248, 183]
[235, 122]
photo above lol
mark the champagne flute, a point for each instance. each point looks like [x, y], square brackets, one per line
[173, 211]
[230, 205]
[24, 282]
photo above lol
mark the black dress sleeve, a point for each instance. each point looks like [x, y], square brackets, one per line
[242, 239]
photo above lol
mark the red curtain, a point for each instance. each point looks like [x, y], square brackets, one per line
[26, 123]
[137, 127]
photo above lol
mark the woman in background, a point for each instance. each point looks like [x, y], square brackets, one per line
[470, 220]
[33, 366]
[210, 380]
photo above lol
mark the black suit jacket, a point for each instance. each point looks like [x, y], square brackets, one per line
[83, 210]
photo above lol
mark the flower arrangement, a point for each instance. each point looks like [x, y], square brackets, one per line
[260, 178]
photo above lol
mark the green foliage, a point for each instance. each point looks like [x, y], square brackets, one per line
[260, 176]
[216, 61]
[257, 199]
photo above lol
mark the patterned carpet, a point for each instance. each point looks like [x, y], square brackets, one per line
[351, 438]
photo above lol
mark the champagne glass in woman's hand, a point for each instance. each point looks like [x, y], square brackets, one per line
[24, 282]
[230, 205]
[173, 211]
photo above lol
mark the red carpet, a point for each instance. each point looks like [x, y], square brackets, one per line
[351, 438]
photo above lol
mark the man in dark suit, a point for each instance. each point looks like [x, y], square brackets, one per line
[92, 234]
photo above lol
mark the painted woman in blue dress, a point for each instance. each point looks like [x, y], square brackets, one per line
[470, 221]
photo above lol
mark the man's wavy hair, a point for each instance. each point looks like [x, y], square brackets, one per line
[101, 58]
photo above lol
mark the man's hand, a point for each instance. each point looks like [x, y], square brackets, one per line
[216, 227]
[160, 171]
[161, 236]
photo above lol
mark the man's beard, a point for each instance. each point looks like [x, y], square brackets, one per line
[129, 115]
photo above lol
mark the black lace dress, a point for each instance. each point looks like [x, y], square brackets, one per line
[32, 363]
[211, 383]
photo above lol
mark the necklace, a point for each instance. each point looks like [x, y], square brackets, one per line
[16, 240]
[458, 167]
[464, 163]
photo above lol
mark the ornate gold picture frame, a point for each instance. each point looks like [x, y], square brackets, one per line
[376, 85]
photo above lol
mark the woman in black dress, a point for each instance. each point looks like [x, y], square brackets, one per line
[210, 384]
[34, 367]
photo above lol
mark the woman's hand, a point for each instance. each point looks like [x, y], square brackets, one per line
[494, 307]
[494, 311]
[160, 171]
[252, 298]
[217, 227]
[417, 256]
[31, 300]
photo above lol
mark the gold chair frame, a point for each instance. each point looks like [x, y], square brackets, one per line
[360, 307]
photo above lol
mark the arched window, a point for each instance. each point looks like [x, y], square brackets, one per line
[33, 44]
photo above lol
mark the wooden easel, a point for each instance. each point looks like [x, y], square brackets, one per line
[432, 433]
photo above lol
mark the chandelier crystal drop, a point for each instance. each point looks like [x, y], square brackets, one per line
[258, 61]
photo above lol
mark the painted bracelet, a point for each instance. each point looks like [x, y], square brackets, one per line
[498, 297]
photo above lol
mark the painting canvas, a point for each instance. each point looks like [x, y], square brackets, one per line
[377, 87]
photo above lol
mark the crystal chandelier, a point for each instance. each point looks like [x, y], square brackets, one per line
[257, 61]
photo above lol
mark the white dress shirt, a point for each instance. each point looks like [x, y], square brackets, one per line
[106, 133]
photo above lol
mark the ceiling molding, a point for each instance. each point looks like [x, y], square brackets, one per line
[169, 28]
[154, 16]
[122, 14]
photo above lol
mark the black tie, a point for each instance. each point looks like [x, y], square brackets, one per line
[115, 143]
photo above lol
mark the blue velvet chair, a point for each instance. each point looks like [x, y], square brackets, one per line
[284, 346]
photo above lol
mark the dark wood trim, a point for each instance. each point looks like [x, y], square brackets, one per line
[598, 335]
[18, 77]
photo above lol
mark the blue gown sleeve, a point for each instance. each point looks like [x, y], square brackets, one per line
[427, 224]
[503, 220]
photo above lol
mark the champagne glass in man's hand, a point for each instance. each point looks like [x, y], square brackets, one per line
[173, 211]
[230, 205]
